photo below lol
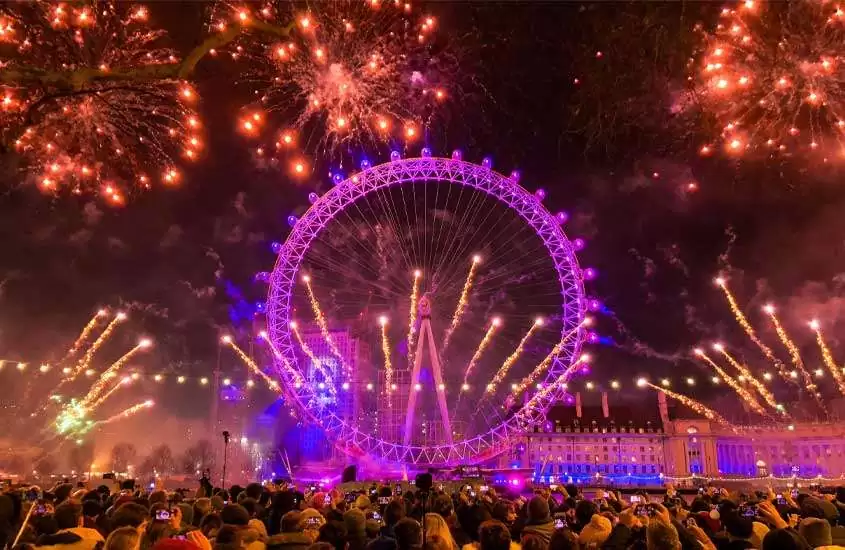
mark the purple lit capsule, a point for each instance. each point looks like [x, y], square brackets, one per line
[585, 369]
[592, 337]
[394, 156]
[262, 276]
[365, 164]
[487, 162]
[337, 178]
[276, 247]
[569, 399]
[562, 217]
[313, 197]
[590, 274]
[260, 307]
[426, 152]
[540, 194]
[593, 304]
[292, 220]
[579, 244]
[457, 154]
[515, 175]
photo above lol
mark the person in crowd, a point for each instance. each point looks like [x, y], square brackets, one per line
[408, 533]
[784, 539]
[563, 539]
[334, 533]
[356, 529]
[291, 535]
[237, 517]
[71, 534]
[539, 521]
[202, 506]
[436, 542]
[662, 536]
[210, 525]
[817, 532]
[124, 538]
[445, 508]
[130, 514]
[494, 535]
[435, 525]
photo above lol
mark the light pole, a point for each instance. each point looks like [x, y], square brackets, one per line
[226, 437]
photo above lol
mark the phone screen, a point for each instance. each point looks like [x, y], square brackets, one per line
[384, 500]
[635, 499]
[163, 515]
[691, 522]
[559, 523]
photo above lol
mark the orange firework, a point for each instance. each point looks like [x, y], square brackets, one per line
[412, 322]
[759, 386]
[512, 358]
[827, 356]
[92, 101]
[488, 336]
[463, 302]
[694, 405]
[742, 392]
[83, 336]
[110, 372]
[322, 322]
[272, 384]
[315, 361]
[752, 334]
[297, 378]
[385, 349]
[771, 77]
[794, 353]
[134, 409]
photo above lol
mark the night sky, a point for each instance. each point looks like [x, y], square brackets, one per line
[774, 227]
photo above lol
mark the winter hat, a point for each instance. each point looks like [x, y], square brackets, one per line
[595, 532]
[258, 526]
[356, 523]
[308, 516]
[318, 501]
[363, 502]
[759, 530]
[816, 531]
[234, 514]
[538, 510]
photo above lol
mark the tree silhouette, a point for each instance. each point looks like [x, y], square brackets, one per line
[198, 457]
[80, 457]
[122, 455]
[161, 460]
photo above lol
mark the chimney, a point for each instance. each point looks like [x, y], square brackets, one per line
[664, 409]
[578, 404]
[605, 408]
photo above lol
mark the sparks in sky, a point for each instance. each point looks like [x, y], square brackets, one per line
[412, 321]
[827, 357]
[736, 386]
[694, 405]
[83, 336]
[385, 349]
[350, 71]
[463, 302]
[272, 384]
[746, 374]
[512, 358]
[795, 354]
[79, 102]
[485, 341]
[98, 386]
[773, 77]
[322, 322]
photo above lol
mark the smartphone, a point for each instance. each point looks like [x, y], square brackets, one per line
[179, 537]
[780, 499]
[748, 510]
[701, 490]
[384, 500]
[641, 510]
[472, 494]
[313, 522]
[484, 488]
[313, 488]
[373, 492]
[328, 499]
[795, 493]
[553, 487]
[376, 516]
[32, 495]
[163, 515]
[690, 522]
[635, 499]
[351, 497]
[397, 490]
[560, 523]
[40, 510]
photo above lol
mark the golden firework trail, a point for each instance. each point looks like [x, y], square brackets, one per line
[323, 323]
[412, 321]
[100, 384]
[696, 406]
[488, 337]
[84, 363]
[297, 378]
[794, 354]
[827, 356]
[544, 364]
[511, 359]
[743, 370]
[752, 334]
[123, 381]
[83, 336]
[385, 349]
[252, 365]
[736, 386]
[314, 360]
[463, 301]
[134, 409]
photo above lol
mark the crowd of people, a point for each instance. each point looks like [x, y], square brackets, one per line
[281, 517]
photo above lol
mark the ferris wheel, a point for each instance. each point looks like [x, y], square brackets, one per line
[427, 310]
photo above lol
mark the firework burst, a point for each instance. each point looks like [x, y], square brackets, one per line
[746, 374]
[512, 358]
[352, 70]
[773, 77]
[253, 366]
[91, 99]
[463, 302]
[827, 356]
[694, 405]
[735, 386]
[488, 337]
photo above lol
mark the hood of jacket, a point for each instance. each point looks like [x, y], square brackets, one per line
[283, 540]
[541, 530]
[78, 538]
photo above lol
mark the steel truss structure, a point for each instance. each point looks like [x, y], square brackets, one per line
[397, 172]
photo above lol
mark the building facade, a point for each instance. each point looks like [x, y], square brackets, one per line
[647, 444]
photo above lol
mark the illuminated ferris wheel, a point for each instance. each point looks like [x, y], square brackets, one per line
[427, 310]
